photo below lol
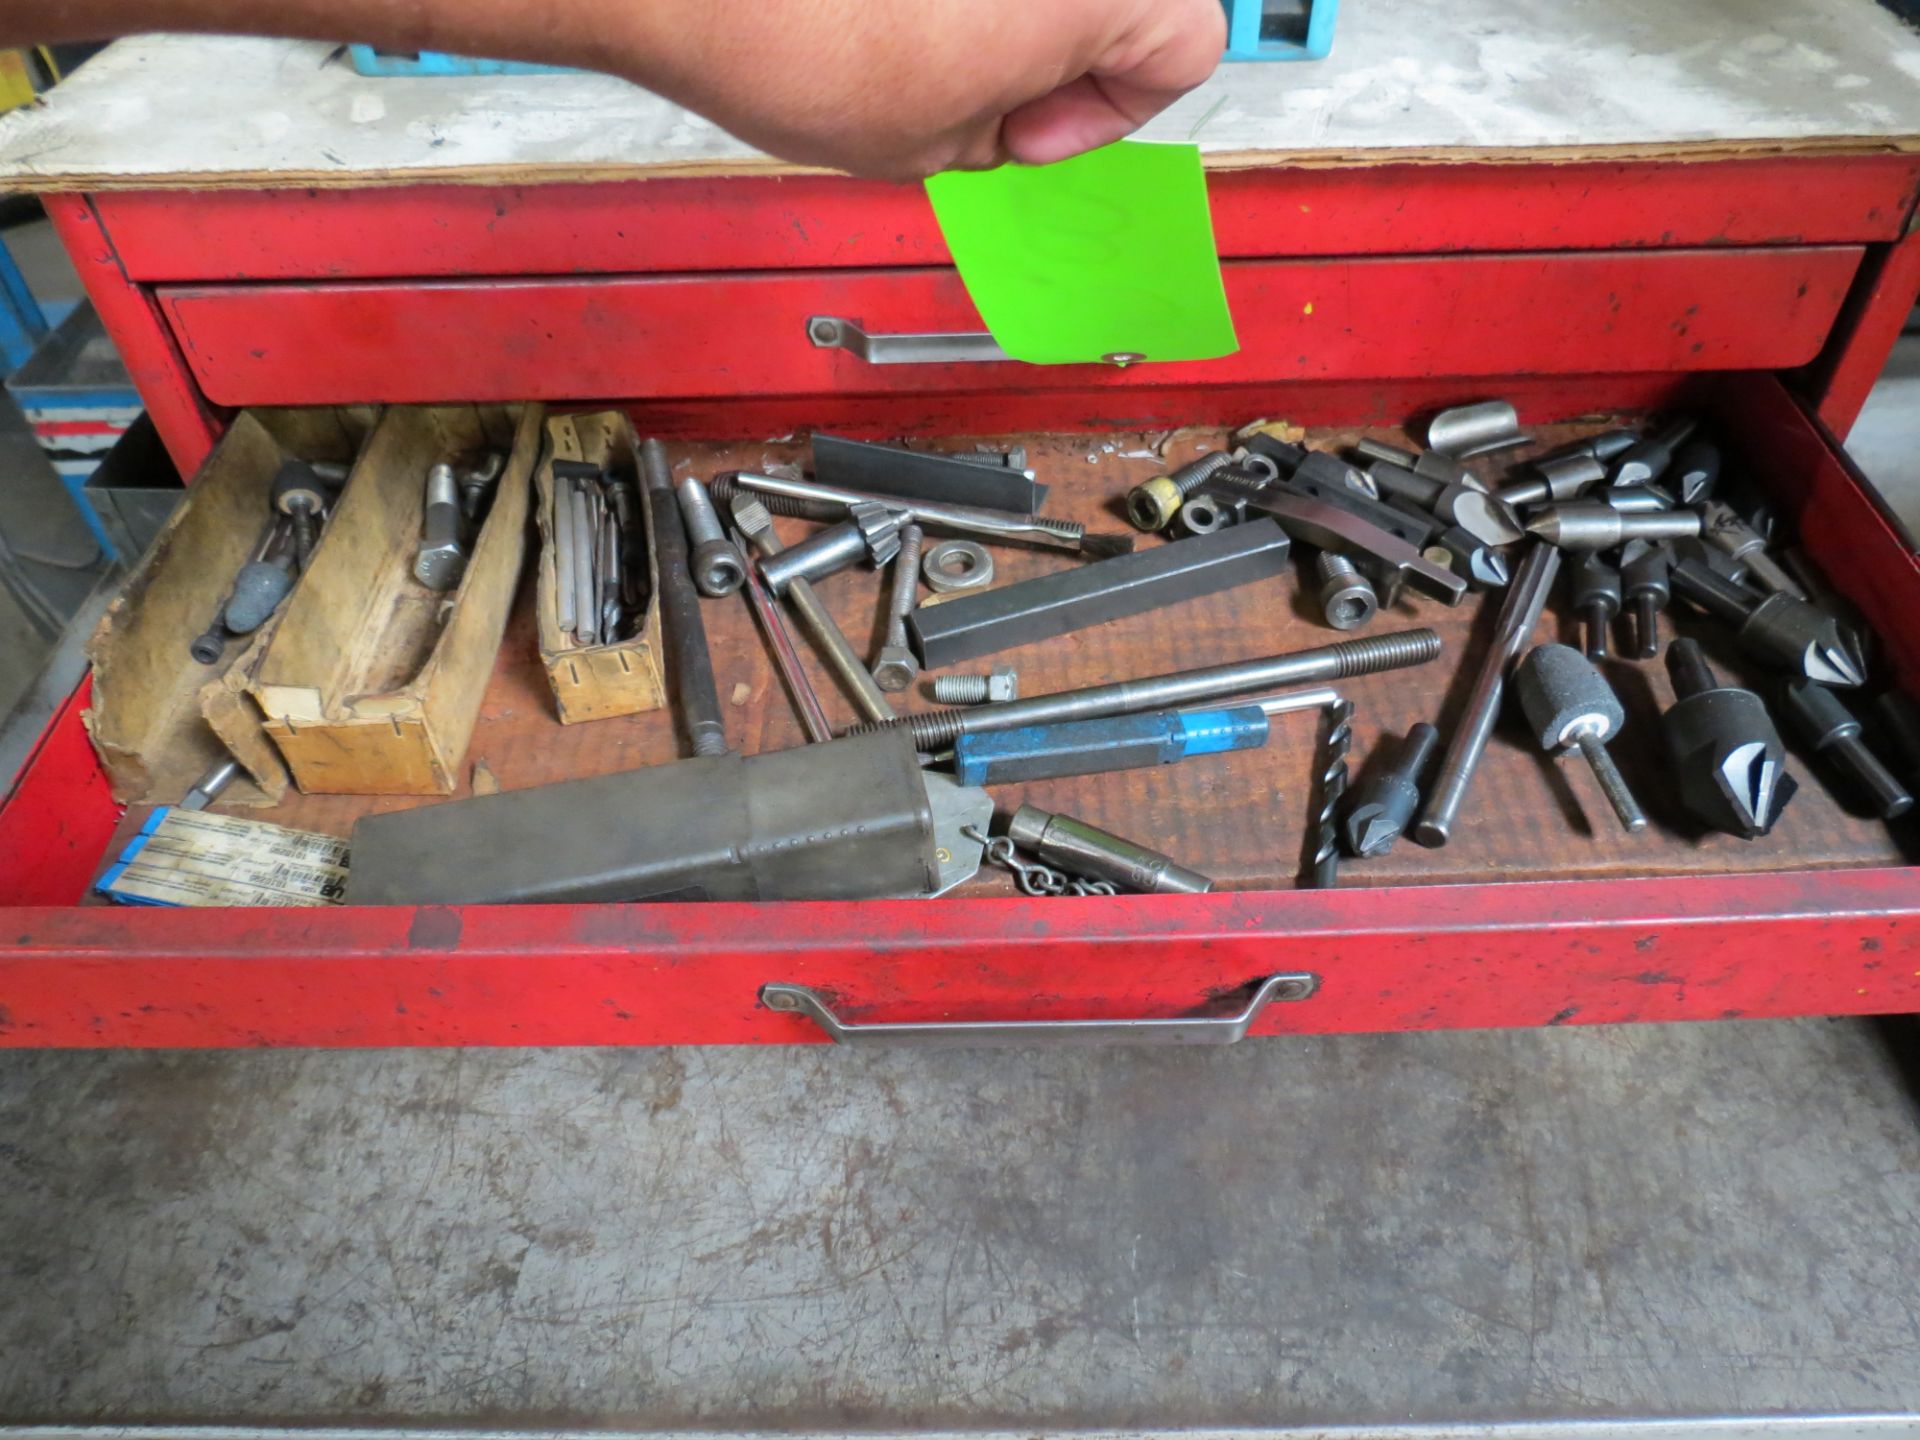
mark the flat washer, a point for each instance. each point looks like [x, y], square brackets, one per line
[957, 565]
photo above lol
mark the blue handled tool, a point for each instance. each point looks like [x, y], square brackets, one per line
[1121, 742]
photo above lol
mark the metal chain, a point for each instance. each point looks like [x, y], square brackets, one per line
[1032, 877]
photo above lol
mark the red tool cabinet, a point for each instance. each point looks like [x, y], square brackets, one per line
[1767, 290]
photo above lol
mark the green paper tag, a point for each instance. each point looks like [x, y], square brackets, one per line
[1110, 253]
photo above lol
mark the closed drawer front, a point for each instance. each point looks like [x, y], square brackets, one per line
[1298, 320]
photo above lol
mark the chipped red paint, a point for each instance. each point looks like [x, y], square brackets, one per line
[1434, 957]
[1298, 320]
[188, 425]
[1875, 314]
[59, 816]
[832, 222]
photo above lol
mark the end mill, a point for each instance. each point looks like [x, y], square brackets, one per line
[1826, 724]
[1569, 705]
[1729, 765]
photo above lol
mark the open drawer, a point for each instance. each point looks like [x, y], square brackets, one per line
[1538, 912]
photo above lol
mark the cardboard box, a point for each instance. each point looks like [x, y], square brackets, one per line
[148, 715]
[372, 683]
[594, 682]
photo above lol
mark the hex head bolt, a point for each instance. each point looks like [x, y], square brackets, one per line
[299, 494]
[895, 667]
[1568, 704]
[1728, 762]
[1347, 598]
[1591, 525]
[1000, 683]
[1596, 596]
[1643, 574]
[1826, 724]
[718, 568]
[1151, 506]
[1777, 629]
[1382, 806]
[442, 559]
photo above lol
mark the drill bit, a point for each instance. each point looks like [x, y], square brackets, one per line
[1333, 786]
[1727, 758]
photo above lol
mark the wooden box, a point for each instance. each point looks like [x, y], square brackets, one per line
[372, 683]
[159, 719]
[593, 682]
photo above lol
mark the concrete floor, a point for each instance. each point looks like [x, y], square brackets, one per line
[1665, 1221]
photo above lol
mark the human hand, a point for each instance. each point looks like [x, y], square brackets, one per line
[905, 88]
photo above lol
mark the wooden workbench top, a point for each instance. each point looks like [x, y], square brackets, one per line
[1472, 80]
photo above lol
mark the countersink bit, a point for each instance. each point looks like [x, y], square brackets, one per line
[1568, 704]
[1783, 631]
[1722, 528]
[1482, 566]
[1694, 473]
[1636, 499]
[1643, 573]
[1384, 803]
[1591, 525]
[1332, 789]
[1826, 724]
[1648, 459]
[1596, 596]
[1728, 762]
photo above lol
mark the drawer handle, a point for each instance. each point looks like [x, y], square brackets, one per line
[1184, 1030]
[830, 332]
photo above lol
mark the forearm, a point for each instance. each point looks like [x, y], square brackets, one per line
[594, 34]
[881, 87]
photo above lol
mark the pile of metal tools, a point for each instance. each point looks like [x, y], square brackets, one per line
[299, 502]
[1637, 520]
[602, 585]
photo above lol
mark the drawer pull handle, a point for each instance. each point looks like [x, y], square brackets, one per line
[1183, 1030]
[830, 332]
